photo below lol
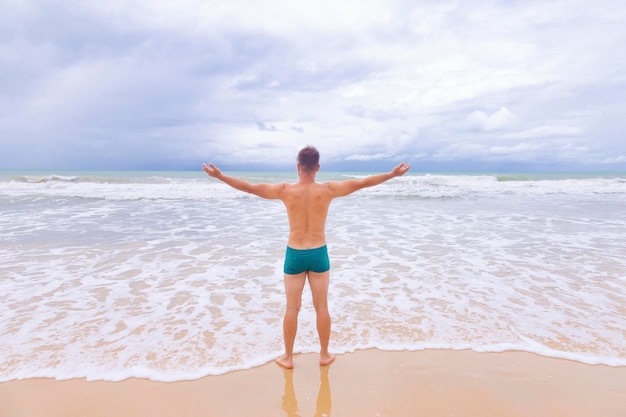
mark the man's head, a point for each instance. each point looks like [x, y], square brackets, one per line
[309, 159]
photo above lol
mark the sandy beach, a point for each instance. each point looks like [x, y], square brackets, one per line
[364, 383]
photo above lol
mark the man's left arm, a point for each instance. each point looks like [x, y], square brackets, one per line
[343, 188]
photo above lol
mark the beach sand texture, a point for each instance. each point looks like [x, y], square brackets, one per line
[364, 383]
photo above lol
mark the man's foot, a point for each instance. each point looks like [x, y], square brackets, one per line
[326, 359]
[285, 361]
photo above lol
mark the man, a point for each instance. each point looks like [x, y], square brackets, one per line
[306, 256]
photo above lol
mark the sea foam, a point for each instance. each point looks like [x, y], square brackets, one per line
[178, 278]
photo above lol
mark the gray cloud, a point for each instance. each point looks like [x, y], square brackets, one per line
[156, 84]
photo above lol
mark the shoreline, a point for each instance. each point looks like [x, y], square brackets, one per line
[366, 382]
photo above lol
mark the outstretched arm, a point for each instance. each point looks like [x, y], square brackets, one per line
[343, 188]
[269, 191]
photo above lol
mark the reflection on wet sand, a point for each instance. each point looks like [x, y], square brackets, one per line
[323, 403]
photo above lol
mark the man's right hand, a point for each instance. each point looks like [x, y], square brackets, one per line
[211, 170]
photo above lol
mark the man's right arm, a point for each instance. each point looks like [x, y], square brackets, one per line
[268, 191]
[343, 188]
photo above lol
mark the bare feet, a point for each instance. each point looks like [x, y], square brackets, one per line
[326, 359]
[285, 361]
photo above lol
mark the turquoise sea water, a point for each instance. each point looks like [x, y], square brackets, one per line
[173, 275]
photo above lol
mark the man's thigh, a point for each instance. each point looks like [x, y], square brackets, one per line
[294, 284]
[318, 281]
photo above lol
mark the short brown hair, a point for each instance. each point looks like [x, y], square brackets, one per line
[309, 158]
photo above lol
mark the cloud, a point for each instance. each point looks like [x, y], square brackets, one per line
[265, 127]
[545, 132]
[614, 160]
[373, 157]
[163, 84]
[499, 119]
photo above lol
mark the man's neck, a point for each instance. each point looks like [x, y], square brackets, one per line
[307, 177]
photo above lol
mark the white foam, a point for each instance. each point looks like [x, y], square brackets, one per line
[190, 284]
[199, 188]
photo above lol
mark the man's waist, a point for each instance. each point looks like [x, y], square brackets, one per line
[306, 244]
[289, 247]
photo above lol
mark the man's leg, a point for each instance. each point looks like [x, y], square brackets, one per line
[294, 284]
[319, 289]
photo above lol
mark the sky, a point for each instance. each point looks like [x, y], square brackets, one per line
[467, 85]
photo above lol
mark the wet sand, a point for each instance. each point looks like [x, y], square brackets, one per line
[364, 383]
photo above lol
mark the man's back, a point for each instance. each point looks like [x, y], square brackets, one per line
[307, 206]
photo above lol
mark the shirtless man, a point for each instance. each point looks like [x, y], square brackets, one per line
[307, 203]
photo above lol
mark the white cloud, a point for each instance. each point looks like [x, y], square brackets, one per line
[362, 80]
[520, 148]
[372, 157]
[620, 159]
[545, 132]
[280, 18]
[497, 120]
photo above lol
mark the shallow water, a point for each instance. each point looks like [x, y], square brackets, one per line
[174, 276]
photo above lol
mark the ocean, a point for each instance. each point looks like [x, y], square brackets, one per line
[175, 276]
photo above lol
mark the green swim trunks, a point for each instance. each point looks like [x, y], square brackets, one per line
[300, 260]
